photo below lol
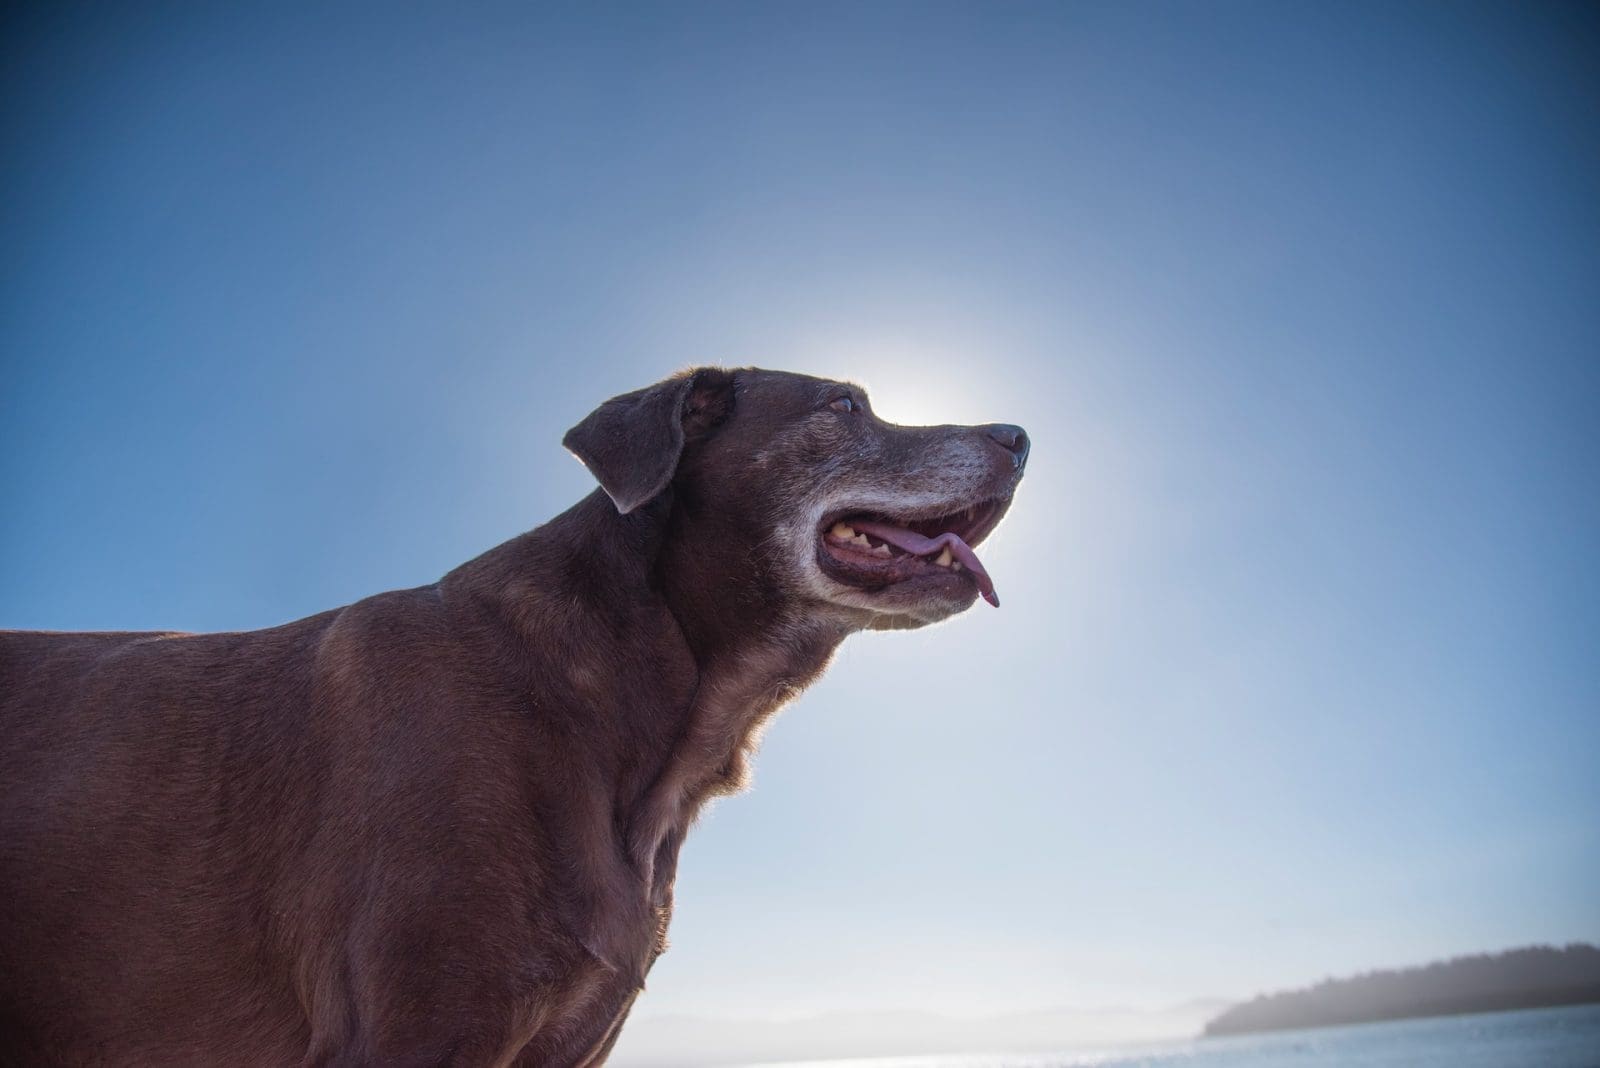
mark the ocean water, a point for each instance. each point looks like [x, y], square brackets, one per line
[1532, 1038]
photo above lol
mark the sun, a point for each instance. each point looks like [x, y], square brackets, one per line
[914, 384]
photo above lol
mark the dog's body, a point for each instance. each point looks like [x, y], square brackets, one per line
[441, 825]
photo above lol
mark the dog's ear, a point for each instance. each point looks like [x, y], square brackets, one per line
[631, 444]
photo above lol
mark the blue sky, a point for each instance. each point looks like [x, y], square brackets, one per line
[1297, 668]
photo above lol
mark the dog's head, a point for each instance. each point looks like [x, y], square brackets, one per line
[791, 486]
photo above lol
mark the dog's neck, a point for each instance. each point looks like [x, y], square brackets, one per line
[755, 647]
[733, 646]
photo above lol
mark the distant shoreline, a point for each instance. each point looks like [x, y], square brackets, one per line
[1537, 977]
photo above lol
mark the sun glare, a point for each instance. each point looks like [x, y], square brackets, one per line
[911, 383]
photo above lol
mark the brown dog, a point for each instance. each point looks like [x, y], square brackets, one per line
[440, 825]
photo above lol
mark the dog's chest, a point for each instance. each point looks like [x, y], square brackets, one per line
[734, 702]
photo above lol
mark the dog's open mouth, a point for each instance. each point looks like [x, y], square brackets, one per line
[873, 551]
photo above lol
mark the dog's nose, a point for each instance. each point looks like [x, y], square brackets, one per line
[1011, 438]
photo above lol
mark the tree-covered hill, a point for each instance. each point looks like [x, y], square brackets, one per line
[1538, 976]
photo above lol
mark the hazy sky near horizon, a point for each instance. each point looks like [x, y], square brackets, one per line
[1297, 669]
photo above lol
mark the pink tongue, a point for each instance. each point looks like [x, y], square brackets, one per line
[917, 545]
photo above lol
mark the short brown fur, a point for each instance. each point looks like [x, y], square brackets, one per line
[440, 825]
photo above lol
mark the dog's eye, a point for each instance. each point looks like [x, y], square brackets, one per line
[844, 404]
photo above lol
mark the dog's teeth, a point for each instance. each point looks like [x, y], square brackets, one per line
[956, 566]
[943, 559]
[861, 540]
[880, 550]
[843, 530]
